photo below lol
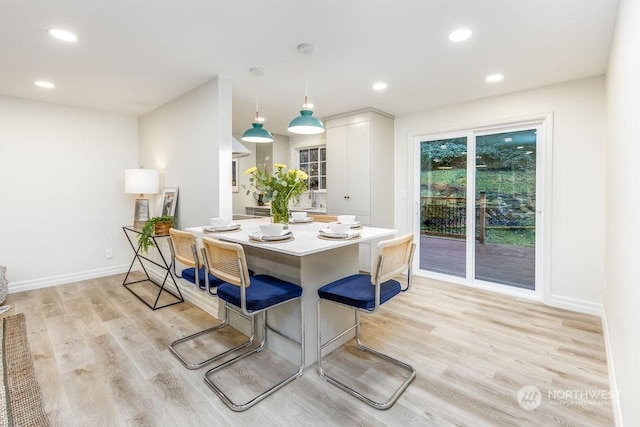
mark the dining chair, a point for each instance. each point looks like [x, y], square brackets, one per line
[184, 250]
[249, 296]
[363, 292]
[324, 218]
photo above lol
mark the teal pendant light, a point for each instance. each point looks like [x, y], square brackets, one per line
[257, 133]
[306, 123]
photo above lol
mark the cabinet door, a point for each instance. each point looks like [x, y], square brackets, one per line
[358, 166]
[337, 168]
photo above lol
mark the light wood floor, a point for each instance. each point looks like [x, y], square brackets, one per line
[101, 359]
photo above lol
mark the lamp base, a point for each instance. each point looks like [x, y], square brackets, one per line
[141, 213]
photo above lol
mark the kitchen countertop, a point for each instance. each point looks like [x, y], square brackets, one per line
[295, 209]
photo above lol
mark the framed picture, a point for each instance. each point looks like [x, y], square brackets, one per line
[169, 201]
[235, 184]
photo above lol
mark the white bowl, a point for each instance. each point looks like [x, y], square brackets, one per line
[339, 227]
[219, 222]
[349, 219]
[271, 229]
[298, 215]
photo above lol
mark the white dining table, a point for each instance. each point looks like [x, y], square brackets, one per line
[306, 260]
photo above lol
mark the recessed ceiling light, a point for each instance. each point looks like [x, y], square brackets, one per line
[460, 35]
[494, 78]
[508, 139]
[44, 84]
[379, 86]
[519, 147]
[64, 35]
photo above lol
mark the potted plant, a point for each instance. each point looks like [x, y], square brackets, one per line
[158, 225]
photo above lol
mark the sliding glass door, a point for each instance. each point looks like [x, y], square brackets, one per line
[443, 206]
[505, 193]
[478, 193]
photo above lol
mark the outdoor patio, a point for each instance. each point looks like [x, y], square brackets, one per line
[505, 264]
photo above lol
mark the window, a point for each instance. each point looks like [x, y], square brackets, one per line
[313, 161]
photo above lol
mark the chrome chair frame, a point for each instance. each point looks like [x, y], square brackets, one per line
[225, 322]
[239, 407]
[356, 325]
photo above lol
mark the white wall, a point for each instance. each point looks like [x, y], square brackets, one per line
[63, 200]
[189, 141]
[622, 253]
[577, 211]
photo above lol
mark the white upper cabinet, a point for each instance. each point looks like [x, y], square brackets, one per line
[349, 171]
[360, 166]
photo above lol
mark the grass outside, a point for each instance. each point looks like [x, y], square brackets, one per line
[510, 201]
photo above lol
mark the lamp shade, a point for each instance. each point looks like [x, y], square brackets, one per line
[141, 181]
[306, 124]
[257, 134]
[238, 150]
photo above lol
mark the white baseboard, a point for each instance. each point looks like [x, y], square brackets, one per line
[578, 305]
[46, 282]
[613, 383]
[196, 296]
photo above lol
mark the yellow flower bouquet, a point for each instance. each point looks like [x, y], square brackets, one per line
[278, 188]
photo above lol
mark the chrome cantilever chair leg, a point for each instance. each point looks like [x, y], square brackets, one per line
[335, 381]
[200, 364]
[253, 296]
[238, 407]
[361, 292]
[224, 323]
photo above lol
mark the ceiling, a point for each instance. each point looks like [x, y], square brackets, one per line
[135, 55]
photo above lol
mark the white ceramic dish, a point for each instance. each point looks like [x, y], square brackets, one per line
[303, 220]
[229, 227]
[298, 216]
[347, 235]
[220, 222]
[339, 227]
[274, 229]
[259, 236]
[346, 218]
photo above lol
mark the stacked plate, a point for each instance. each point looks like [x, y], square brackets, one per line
[220, 228]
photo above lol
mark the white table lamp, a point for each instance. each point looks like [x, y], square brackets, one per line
[141, 181]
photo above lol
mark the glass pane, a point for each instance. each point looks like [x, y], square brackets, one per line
[323, 167]
[305, 168]
[313, 169]
[443, 209]
[506, 208]
[313, 183]
[323, 154]
[313, 155]
[322, 182]
[304, 156]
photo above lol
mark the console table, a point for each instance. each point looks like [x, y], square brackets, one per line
[164, 271]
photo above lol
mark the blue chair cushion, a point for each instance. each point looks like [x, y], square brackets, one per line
[357, 291]
[189, 274]
[263, 292]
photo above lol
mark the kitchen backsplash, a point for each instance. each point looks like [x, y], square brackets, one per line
[305, 200]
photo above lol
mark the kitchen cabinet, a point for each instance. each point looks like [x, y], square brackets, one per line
[360, 169]
[348, 169]
[258, 211]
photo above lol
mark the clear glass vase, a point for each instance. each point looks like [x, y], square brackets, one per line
[280, 211]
